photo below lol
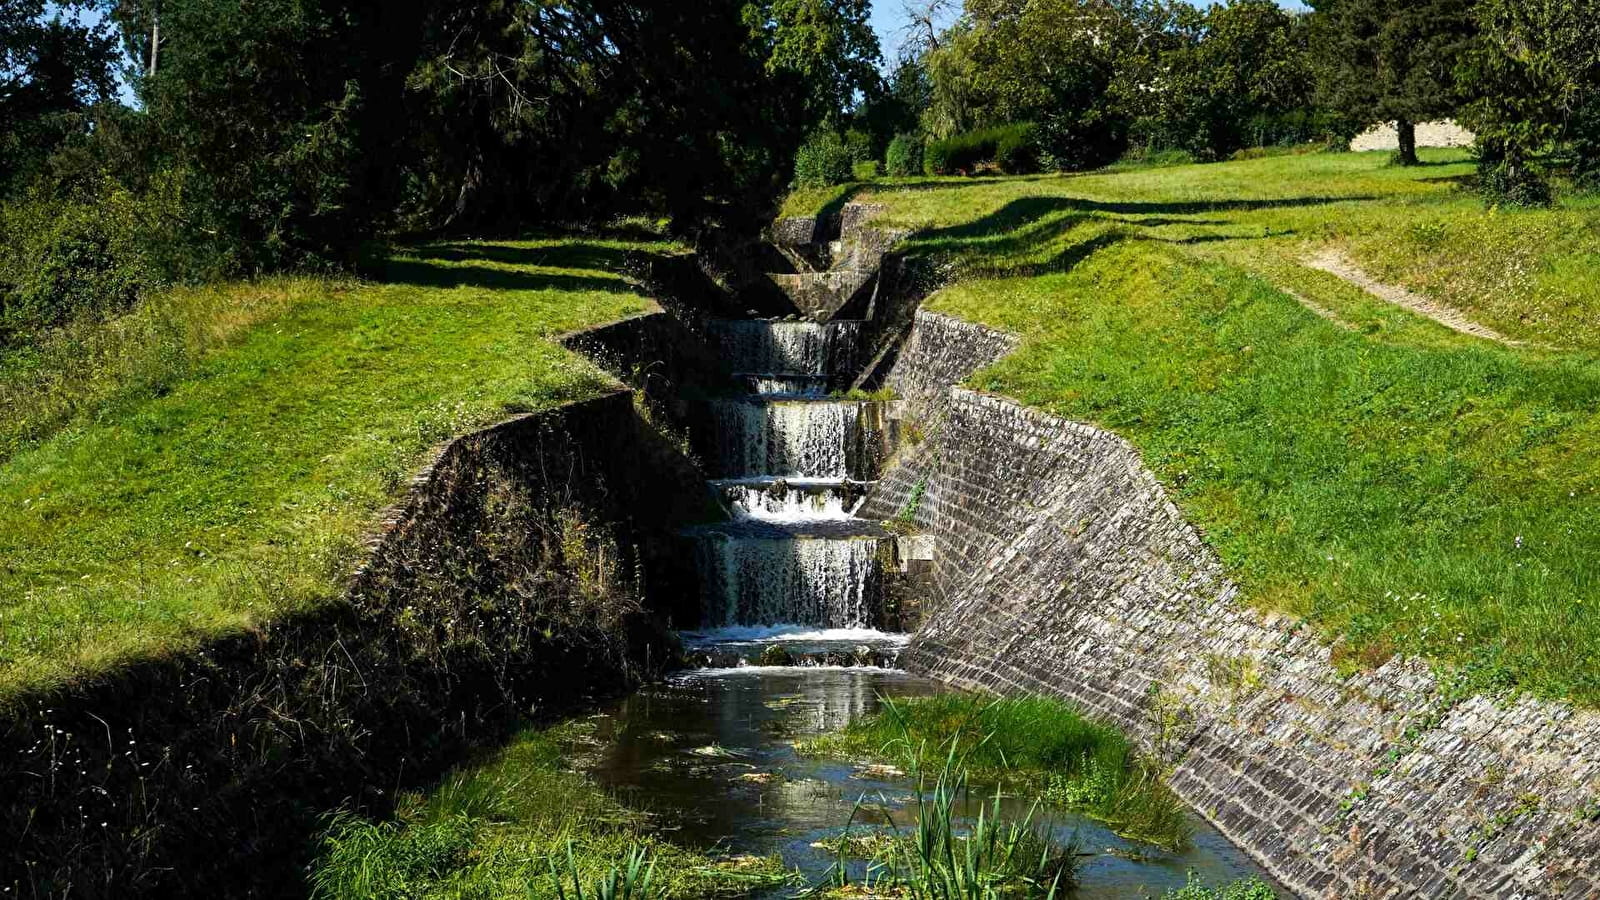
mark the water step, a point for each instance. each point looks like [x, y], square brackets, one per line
[830, 439]
[779, 655]
[785, 385]
[785, 346]
[791, 499]
[826, 572]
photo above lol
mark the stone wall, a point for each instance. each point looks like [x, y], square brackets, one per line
[509, 583]
[1061, 567]
[1444, 133]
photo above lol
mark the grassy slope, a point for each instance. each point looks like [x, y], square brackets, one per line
[229, 478]
[1404, 487]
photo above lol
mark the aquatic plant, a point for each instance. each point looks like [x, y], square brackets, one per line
[1020, 743]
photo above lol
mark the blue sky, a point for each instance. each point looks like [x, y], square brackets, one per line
[888, 19]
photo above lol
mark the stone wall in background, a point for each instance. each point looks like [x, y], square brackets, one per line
[1444, 133]
[1061, 567]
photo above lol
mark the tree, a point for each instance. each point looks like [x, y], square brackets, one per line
[1236, 66]
[1071, 66]
[1392, 61]
[54, 69]
[1535, 82]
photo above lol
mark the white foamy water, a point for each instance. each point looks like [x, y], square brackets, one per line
[786, 439]
[785, 385]
[800, 348]
[790, 501]
[692, 674]
[831, 583]
[771, 634]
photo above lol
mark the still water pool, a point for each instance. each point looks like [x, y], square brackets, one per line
[710, 753]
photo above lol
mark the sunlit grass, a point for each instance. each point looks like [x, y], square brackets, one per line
[1528, 274]
[1404, 487]
[213, 459]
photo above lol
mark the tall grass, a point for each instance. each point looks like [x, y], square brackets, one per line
[992, 858]
[1035, 743]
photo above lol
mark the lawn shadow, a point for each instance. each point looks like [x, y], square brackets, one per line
[565, 255]
[1025, 210]
[422, 273]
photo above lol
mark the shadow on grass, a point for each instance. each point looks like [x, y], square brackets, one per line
[1021, 212]
[566, 255]
[422, 273]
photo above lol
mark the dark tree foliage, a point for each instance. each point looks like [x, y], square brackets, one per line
[1236, 68]
[1392, 60]
[54, 70]
[1535, 87]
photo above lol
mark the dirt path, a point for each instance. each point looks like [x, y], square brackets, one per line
[1336, 263]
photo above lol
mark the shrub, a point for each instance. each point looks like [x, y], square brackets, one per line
[824, 160]
[904, 156]
[1017, 152]
[965, 152]
[859, 143]
[65, 258]
[865, 171]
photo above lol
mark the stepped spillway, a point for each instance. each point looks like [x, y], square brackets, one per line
[793, 465]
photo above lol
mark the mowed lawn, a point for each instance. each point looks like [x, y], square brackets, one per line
[1400, 486]
[219, 460]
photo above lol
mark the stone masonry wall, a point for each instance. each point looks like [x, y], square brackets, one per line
[1062, 568]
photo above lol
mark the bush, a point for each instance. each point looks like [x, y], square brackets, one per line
[965, 152]
[859, 143]
[904, 156]
[1502, 184]
[1018, 151]
[63, 259]
[865, 171]
[1078, 140]
[824, 160]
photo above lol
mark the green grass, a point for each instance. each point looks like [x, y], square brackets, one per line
[212, 460]
[519, 825]
[1401, 486]
[1033, 744]
[1527, 274]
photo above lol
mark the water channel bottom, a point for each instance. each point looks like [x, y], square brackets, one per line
[711, 753]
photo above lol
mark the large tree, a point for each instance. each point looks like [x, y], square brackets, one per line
[1392, 61]
[55, 66]
[1235, 65]
[1535, 84]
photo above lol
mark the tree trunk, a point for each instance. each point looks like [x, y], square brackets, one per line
[1406, 130]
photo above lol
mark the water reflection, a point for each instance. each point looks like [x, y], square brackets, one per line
[711, 755]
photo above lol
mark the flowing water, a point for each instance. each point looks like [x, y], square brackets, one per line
[794, 578]
[793, 468]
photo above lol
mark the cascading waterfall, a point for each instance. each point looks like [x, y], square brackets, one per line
[763, 576]
[785, 347]
[793, 463]
[764, 384]
[791, 500]
[789, 438]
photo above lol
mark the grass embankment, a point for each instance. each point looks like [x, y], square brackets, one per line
[1402, 486]
[1031, 745]
[519, 825]
[211, 460]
